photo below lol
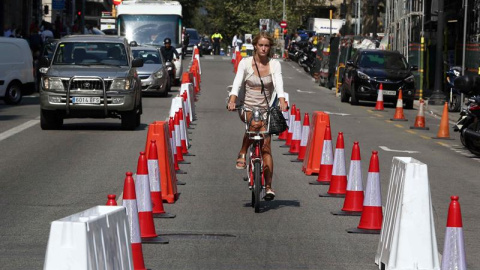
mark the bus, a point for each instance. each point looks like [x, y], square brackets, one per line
[150, 22]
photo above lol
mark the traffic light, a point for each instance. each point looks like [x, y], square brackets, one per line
[79, 15]
[45, 9]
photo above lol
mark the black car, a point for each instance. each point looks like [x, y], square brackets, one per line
[207, 46]
[194, 40]
[369, 68]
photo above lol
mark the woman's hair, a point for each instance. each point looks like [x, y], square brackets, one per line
[263, 35]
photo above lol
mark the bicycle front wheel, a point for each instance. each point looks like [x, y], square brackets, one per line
[257, 184]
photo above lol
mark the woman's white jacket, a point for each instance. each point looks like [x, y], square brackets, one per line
[245, 70]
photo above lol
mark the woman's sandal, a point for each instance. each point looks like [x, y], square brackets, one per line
[241, 162]
[269, 194]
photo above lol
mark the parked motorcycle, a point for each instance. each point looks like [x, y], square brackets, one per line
[468, 124]
[310, 56]
[452, 93]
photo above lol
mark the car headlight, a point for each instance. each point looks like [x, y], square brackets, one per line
[159, 74]
[410, 79]
[363, 76]
[120, 84]
[52, 84]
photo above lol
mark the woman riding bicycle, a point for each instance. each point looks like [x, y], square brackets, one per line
[247, 85]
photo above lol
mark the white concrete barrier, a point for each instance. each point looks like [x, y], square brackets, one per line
[97, 238]
[408, 239]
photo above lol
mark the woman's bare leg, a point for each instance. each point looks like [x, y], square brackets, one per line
[267, 162]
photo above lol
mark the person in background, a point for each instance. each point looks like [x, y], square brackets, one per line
[216, 40]
[253, 72]
[47, 32]
[168, 51]
[185, 40]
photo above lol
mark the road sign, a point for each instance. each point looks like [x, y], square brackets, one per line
[58, 4]
[283, 24]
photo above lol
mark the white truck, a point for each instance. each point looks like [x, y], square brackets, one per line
[322, 26]
[150, 22]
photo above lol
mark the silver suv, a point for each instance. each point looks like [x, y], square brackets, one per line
[97, 76]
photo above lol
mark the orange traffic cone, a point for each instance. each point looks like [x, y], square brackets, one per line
[155, 186]
[420, 119]
[353, 204]
[338, 185]
[313, 156]
[144, 204]
[178, 139]
[171, 127]
[399, 109]
[443, 131]
[238, 58]
[372, 217]
[183, 130]
[130, 203]
[379, 105]
[454, 246]
[160, 132]
[326, 163]
[303, 142]
[296, 135]
[111, 200]
[291, 126]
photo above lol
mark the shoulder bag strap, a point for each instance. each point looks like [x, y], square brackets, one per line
[261, 82]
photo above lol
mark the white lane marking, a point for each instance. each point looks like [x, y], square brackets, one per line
[384, 148]
[6, 134]
[334, 113]
[308, 92]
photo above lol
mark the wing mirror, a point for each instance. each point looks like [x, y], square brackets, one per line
[137, 62]
[44, 62]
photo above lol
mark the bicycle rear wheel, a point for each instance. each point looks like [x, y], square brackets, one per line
[257, 186]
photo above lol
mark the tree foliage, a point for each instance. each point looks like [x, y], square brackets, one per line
[242, 16]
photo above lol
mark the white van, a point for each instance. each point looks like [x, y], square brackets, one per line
[16, 69]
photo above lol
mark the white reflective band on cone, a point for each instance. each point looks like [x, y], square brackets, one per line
[177, 136]
[373, 192]
[454, 250]
[142, 190]
[327, 158]
[355, 176]
[297, 134]
[380, 95]
[291, 124]
[172, 143]
[132, 213]
[305, 131]
[154, 175]
[182, 130]
[339, 163]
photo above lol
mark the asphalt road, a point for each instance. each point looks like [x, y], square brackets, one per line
[47, 175]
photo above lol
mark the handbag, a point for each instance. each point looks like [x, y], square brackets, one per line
[277, 123]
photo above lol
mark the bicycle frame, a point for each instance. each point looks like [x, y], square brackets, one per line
[257, 137]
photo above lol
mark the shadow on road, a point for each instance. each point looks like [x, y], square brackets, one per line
[275, 204]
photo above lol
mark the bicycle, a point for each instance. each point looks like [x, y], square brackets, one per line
[255, 173]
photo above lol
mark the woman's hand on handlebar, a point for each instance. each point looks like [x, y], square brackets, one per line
[231, 106]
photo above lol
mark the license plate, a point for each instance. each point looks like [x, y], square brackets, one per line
[86, 100]
[389, 93]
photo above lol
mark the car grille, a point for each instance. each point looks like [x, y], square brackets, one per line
[82, 84]
[143, 77]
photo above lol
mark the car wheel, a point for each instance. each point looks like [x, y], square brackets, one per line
[13, 95]
[343, 94]
[353, 98]
[409, 104]
[50, 120]
[164, 92]
[130, 120]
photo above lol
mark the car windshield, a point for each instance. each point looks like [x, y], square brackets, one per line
[381, 60]
[90, 53]
[149, 29]
[193, 34]
[148, 56]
